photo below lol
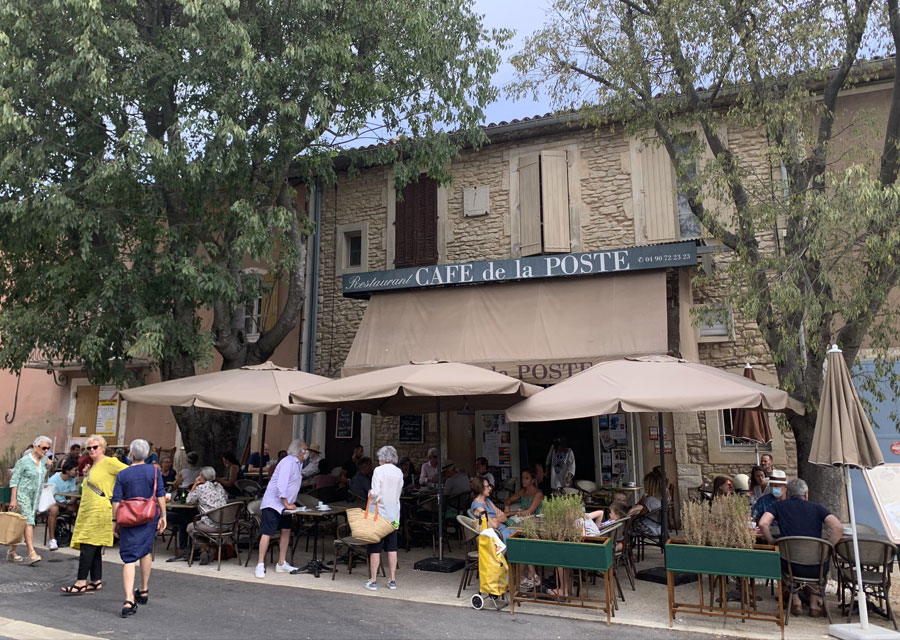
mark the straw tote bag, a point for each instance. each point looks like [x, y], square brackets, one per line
[12, 527]
[137, 511]
[368, 527]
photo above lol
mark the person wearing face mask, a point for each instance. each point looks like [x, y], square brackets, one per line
[776, 488]
[26, 484]
[311, 462]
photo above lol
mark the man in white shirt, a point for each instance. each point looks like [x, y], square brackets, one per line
[429, 472]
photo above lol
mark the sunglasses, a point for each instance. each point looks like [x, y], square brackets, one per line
[45, 448]
[92, 447]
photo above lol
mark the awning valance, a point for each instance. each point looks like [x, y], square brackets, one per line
[541, 332]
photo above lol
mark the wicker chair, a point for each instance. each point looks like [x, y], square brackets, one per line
[806, 551]
[355, 548]
[470, 537]
[876, 558]
[226, 520]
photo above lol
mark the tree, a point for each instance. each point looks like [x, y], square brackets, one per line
[674, 66]
[151, 149]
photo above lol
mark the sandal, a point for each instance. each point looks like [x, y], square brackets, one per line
[12, 556]
[33, 559]
[129, 608]
[94, 585]
[141, 597]
[75, 590]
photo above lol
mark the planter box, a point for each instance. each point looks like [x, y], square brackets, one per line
[763, 561]
[594, 554]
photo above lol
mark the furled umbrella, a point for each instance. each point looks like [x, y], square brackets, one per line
[261, 388]
[843, 438]
[420, 387]
[751, 424]
[653, 384]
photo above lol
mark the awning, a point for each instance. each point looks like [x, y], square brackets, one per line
[540, 331]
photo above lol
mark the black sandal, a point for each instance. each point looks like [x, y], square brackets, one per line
[141, 597]
[129, 608]
[75, 590]
[95, 585]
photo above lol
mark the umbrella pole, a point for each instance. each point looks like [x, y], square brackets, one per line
[262, 446]
[440, 486]
[860, 594]
[664, 500]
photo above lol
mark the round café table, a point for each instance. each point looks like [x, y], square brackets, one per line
[315, 566]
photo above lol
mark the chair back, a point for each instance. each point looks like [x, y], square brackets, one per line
[805, 550]
[248, 487]
[307, 500]
[616, 532]
[570, 490]
[587, 486]
[254, 507]
[872, 553]
[470, 532]
[226, 517]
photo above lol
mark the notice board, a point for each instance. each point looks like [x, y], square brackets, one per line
[411, 430]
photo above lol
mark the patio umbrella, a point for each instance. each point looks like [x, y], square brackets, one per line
[751, 424]
[420, 387]
[650, 384]
[261, 388]
[844, 438]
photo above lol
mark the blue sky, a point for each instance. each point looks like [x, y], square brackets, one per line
[523, 16]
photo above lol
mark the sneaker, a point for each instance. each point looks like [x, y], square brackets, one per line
[284, 568]
[371, 585]
[392, 584]
[526, 583]
[261, 570]
[53, 546]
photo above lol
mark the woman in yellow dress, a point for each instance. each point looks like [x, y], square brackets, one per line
[94, 524]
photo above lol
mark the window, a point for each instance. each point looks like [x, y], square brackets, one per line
[726, 421]
[689, 226]
[714, 323]
[544, 202]
[261, 313]
[351, 252]
[415, 225]
[253, 319]
[354, 249]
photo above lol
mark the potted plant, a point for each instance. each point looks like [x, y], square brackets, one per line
[7, 461]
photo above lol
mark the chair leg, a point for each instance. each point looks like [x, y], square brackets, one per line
[191, 556]
[219, 565]
[237, 549]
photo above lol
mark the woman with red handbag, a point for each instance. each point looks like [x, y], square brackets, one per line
[139, 509]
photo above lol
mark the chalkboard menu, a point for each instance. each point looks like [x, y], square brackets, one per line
[411, 429]
[343, 426]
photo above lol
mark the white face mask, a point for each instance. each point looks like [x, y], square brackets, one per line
[776, 491]
[306, 455]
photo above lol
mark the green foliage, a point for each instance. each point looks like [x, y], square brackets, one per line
[7, 461]
[560, 520]
[150, 149]
[722, 524]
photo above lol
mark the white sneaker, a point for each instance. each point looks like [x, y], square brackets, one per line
[284, 568]
[261, 570]
[371, 586]
[53, 546]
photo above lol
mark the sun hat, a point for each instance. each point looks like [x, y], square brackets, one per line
[777, 477]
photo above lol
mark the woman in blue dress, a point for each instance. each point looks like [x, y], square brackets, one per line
[136, 543]
[482, 505]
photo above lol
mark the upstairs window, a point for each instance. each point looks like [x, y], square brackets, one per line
[415, 225]
[544, 202]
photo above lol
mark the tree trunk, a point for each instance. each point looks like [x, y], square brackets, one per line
[826, 485]
[209, 432]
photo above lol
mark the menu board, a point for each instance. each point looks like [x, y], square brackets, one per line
[343, 426]
[411, 429]
[496, 445]
[884, 483]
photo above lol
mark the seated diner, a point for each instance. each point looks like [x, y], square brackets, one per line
[482, 506]
[529, 496]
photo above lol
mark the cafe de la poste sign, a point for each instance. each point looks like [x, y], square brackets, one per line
[560, 265]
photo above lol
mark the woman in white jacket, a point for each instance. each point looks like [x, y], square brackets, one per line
[387, 485]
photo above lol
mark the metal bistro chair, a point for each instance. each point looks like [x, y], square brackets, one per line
[226, 521]
[470, 537]
[876, 558]
[248, 487]
[811, 552]
[356, 550]
[640, 537]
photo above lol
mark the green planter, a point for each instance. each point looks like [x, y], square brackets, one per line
[5, 495]
[594, 554]
[763, 561]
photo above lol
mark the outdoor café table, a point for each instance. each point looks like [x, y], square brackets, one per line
[315, 566]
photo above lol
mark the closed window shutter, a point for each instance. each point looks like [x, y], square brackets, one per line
[530, 205]
[415, 225]
[555, 200]
[653, 192]
[270, 302]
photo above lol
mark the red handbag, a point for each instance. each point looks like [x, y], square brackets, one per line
[137, 511]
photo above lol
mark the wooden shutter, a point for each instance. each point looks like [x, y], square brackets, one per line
[269, 311]
[653, 192]
[86, 401]
[415, 225]
[555, 200]
[718, 201]
[530, 205]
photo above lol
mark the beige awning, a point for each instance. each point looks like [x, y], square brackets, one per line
[541, 332]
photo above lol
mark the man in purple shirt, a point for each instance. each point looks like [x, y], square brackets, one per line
[281, 493]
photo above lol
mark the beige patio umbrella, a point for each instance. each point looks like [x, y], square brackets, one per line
[261, 388]
[420, 387]
[650, 384]
[844, 438]
[751, 424]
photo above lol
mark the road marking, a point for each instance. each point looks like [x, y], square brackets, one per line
[21, 630]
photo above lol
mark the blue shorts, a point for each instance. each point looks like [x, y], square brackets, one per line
[389, 542]
[270, 521]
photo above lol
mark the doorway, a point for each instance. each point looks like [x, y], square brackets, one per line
[536, 438]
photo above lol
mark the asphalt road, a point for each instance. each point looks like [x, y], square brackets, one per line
[183, 607]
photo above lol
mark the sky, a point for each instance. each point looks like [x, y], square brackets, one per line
[525, 17]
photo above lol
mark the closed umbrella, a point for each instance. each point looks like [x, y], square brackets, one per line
[650, 384]
[420, 387]
[261, 388]
[751, 424]
[844, 438]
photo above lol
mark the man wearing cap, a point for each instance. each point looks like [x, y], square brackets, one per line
[455, 482]
[775, 491]
[311, 464]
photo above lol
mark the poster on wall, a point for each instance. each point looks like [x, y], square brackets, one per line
[107, 411]
[654, 432]
[668, 445]
[617, 427]
[496, 445]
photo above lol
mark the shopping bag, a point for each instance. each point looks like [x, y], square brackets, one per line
[368, 527]
[12, 527]
[48, 498]
[493, 571]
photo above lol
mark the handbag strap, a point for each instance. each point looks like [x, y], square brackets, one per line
[366, 514]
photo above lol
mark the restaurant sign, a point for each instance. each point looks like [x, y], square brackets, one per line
[679, 254]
